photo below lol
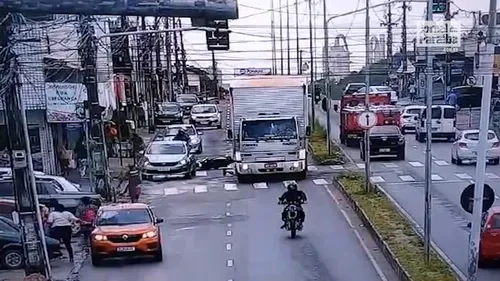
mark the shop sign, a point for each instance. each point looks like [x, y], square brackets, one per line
[65, 102]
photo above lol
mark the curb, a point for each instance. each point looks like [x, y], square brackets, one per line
[74, 274]
[402, 274]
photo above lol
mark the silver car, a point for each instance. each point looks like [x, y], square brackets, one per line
[205, 115]
[195, 143]
[163, 159]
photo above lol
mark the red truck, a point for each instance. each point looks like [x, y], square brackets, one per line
[351, 106]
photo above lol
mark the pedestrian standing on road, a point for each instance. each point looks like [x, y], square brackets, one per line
[61, 222]
[87, 213]
[412, 91]
[134, 180]
[64, 158]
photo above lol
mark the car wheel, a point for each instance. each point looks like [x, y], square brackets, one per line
[219, 126]
[200, 150]
[96, 260]
[12, 258]
[459, 161]
[495, 161]
[159, 255]
[453, 161]
[401, 154]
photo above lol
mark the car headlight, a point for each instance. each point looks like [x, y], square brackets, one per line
[195, 141]
[99, 237]
[193, 117]
[302, 154]
[183, 162]
[178, 114]
[237, 156]
[149, 234]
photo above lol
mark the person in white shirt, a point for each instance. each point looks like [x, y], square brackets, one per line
[61, 222]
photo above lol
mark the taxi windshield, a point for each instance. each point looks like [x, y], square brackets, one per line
[123, 217]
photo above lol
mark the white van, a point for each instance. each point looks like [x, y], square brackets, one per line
[443, 123]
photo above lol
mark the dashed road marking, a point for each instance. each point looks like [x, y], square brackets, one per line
[230, 263]
[407, 178]
[416, 164]
[442, 163]
[260, 185]
[390, 165]
[463, 176]
[229, 246]
[201, 173]
[436, 177]
[170, 191]
[230, 187]
[377, 179]
[337, 167]
[492, 176]
[228, 214]
[320, 181]
[312, 168]
[229, 232]
[360, 165]
[200, 189]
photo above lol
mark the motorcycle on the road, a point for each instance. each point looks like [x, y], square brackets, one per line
[292, 222]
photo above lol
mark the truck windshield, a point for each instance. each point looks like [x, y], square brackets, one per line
[269, 129]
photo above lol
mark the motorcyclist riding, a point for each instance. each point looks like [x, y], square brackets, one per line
[182, 136]
[293, 196]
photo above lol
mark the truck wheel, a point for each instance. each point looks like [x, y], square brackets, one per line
[242, 178]
[301, 175]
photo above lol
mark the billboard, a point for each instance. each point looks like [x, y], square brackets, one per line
[211, 9]
[252, 71]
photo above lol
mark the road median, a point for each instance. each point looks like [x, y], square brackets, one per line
[319, 151]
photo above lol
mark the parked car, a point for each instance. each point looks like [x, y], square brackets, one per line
[465, 147]
[187, 102]
[168, 158]
[381, 90]
[205, 114]
[11, 251]
[196, 142]
[168, 113]
[489, 245]
[4, 171]
[129, 229]
[49, 188]
[409, 117]
[385, 140]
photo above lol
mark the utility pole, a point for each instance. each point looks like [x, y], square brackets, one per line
[168, 51]
[273, 39]
[300, 62]
[299, 65]
[428, 148]
[281, 39]
[405, 52]
[214, 70]
[183, 58]
[159, 72]
[27, 207]
[326, 80]
[448, 61]
[177, 62]
[475, 233]
[367, 96]
[288, 36]
[313, 103]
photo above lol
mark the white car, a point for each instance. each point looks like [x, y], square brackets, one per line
[382, 90]
[409, 117]
[205, 114]
[195, 143]
[466, 144]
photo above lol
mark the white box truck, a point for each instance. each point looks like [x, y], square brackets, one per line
[269, 127]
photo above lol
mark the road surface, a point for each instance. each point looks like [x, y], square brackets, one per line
[405, 182]
[216, 229]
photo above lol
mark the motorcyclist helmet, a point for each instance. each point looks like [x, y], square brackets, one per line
[292, 186]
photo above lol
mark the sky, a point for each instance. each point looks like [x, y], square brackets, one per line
[251, 44]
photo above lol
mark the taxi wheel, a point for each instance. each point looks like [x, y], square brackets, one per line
[96, 260]
[159, 255]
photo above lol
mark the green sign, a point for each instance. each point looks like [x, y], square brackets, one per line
[439, 6]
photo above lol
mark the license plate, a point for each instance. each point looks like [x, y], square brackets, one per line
[270, 165]
[384, 150]
[352, 136]
[125, 249]
[163, 169]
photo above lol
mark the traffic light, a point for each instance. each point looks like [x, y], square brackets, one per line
[217, 40]
[439, 6]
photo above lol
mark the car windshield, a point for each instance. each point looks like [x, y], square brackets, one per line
[187, 99]
[123, 217]
[413, 111]
[168, 107]
[172, 131]
[68, 186]
[383, 88]
[165, 148]
[384, 130]
[269, 129]
[204, 109]
[475, 136]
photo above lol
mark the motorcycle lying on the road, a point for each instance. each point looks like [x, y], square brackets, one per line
[292, 222]
[214, 163]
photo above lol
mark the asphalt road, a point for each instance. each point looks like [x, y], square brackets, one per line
[405, 182]
[216, 229]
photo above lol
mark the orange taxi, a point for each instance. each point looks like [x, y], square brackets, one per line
[124, 230]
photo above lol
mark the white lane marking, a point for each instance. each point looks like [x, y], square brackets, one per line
[320, 181]
[229, 246]
[337, 167]
[407, 178]
[463, 176]
[201, 173]
[260, 185]
[228, 214]
[442, 163]
[436, 177]
[416, 164]
[228, 204]
[312, 168]
[422, 182]
[170, 191]
[361, 166]
[229, 232]
[374, 263]
[377, 179]
[230, 187]
[229, 225]
[286, 183]
[390, 165]
[492, 176]
[200, 189]
[229, 263]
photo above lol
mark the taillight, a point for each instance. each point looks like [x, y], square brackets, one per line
[496, 144]
[462, 145]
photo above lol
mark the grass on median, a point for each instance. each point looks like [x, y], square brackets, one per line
[397, 232]
[317, 142]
